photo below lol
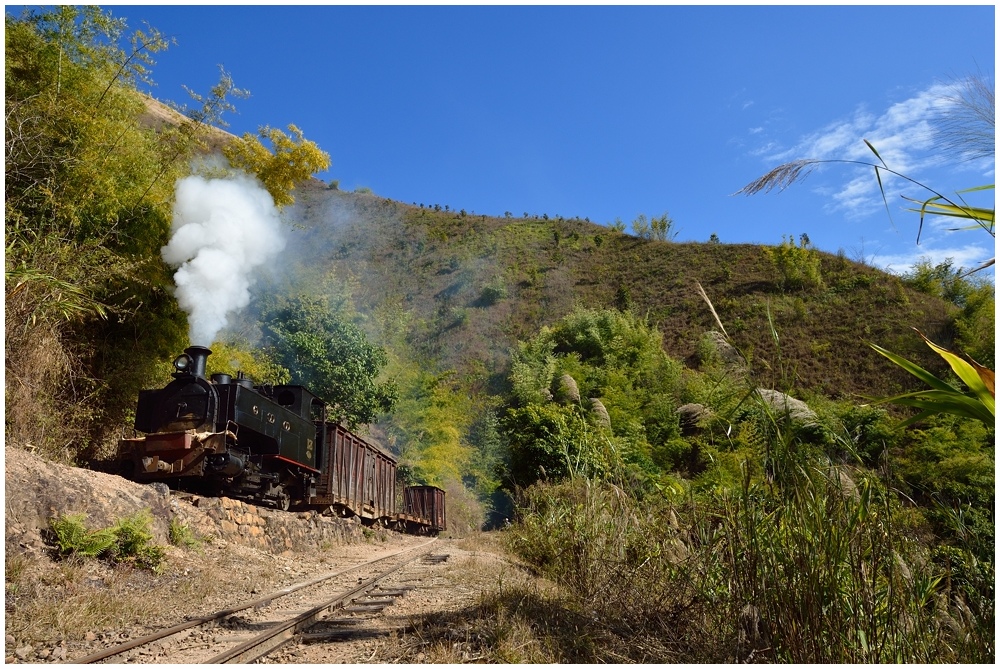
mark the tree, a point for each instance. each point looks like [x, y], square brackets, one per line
[640, 227]
[590, 395]
[87, 192]
[975, 324]
[329, 354]
[663, 228]
[291, 160]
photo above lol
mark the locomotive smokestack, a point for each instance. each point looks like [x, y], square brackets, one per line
[199, 356]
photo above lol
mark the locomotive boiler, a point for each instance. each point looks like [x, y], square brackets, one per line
[271, 445]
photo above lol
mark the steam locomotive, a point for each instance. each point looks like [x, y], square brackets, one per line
[271, 445]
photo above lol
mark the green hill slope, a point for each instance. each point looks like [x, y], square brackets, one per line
[469, 286]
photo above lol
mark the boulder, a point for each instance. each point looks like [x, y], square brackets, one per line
[691, 417]
[730, 358]
[788, 407]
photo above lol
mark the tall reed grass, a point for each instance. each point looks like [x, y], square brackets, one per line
[814, 572]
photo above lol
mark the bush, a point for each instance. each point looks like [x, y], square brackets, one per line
[182, 535]
[128, 541]
[73, 538]
[493, 292]
[798, 265]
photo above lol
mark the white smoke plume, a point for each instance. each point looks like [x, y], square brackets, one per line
[222, 230]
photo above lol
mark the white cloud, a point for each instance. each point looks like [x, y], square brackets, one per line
[902, 134]
[857, 198]
[967, 256]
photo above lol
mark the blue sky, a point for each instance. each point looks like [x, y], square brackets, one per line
[607, 112]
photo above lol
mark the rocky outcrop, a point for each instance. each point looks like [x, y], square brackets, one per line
[692, 418]
[259, 527]
[723, 353]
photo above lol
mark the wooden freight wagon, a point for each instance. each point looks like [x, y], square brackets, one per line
[423, 509]
[356, 478]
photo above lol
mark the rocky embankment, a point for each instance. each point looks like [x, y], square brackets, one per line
[37, 490]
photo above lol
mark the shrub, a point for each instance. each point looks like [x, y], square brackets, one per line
[663, 228]
[798, 265]
[494, 291]
[133, 542]
[640, 227]
[182, 535]
[73, 538]
[128, 541]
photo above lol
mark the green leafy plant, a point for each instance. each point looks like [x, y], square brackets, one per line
[180, 534]
[798, 264]
[325, 350]
[663, 228]
[128, 541]
[978, 403]
[291, 160]
[133, 542]
[73, 538]
[494, 291]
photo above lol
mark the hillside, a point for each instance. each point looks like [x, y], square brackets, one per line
[473, 285]
[469, 286]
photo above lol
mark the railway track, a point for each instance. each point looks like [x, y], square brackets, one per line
[253, 629]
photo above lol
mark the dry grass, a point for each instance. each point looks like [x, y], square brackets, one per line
[517, 618]
[36, 364]
[522, 620]
[48, 602]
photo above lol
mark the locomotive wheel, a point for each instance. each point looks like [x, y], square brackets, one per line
[284, 502]
[294, 499]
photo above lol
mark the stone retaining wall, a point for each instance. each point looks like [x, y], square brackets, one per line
[262, 528]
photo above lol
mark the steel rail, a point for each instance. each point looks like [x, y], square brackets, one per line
[201, 620]
[263, 644]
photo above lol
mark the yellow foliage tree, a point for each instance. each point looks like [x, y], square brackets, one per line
[292, 160]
